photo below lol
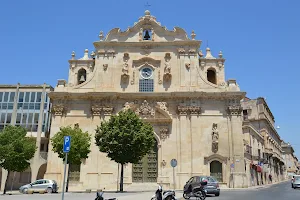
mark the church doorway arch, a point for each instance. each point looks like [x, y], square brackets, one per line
[216, 170]
[146, 171]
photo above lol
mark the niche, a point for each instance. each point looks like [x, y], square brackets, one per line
[81, 76]
[212, 76]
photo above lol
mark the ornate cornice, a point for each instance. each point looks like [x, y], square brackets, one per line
[59, 109]
[183, 110]
[195, 110]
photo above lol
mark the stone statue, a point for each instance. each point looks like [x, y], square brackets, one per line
[215, 138]
[167, 67]
[125, 68]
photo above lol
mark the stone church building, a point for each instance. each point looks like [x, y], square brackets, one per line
[163, 76]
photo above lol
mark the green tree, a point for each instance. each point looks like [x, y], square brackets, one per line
[15, 150]
[80, 146]
[125, 138]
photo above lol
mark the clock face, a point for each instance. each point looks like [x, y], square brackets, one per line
[146, 73]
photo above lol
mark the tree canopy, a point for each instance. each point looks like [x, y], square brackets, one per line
[80, 144]
[16, 149]
[125, 138]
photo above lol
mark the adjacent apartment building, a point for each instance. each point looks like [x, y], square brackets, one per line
[291, 161]
[27, 106]
[262, 144]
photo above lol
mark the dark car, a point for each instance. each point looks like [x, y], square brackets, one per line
[212, 186]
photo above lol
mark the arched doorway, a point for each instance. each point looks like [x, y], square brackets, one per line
[41, 172]
[146, 170]
[216, 170]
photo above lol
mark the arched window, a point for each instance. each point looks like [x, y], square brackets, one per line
[146, 82]
[81, 76]
[147, 34]
[212, 76]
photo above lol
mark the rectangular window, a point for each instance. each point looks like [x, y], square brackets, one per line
[24, 118]
[38, 97]
[4, 106]
[32, 99]
[21, 96]
[146, 85]
[8, 118]
[36, 118]
[44, 118]
[18, 120]
[34, 128]
[37, 106]
[20, 105]
[25, 106]
[1, 94]
[3, 118]
[12, 97]
[10, 106]
[27, 94]
[5, 99]
[31, 106]
[46, 106]
[30, 118]
[46, 97]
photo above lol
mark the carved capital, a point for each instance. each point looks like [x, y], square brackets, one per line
[107, 110]
[183, 110]
[58, 109]
[164, 133]
[234, 110]
[195, 110]
[96, 110]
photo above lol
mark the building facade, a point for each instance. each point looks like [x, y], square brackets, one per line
[27, 106]
[262, 144]
[167, 81]
[291, 161]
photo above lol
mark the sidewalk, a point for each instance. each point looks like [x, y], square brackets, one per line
[255, 187]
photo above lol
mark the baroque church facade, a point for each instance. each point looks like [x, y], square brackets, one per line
[164, 77]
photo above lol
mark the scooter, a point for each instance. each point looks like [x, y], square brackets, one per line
[198, 192]
[163, 195]
[99, 196]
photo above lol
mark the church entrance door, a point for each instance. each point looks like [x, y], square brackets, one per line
[146, 170]
[216, 170]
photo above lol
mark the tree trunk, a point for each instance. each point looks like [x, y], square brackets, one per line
[122, 176]
[6, 182]
[67, 185]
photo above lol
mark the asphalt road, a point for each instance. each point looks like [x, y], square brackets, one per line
[280, 191]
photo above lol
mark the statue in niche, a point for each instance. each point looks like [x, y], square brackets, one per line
[125, 69]
[215, 138]
[167, 67]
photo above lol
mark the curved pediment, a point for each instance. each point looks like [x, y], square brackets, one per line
[147, 22]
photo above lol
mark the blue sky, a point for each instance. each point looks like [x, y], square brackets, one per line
[259, 39]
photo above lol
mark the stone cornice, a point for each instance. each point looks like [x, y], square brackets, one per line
[192, 43]
[161, 95]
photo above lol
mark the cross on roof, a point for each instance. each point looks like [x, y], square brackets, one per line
[147, 5]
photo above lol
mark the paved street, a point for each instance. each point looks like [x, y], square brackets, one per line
[279, 191]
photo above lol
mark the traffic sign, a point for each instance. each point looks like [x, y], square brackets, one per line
[173, 162]
[67, 144]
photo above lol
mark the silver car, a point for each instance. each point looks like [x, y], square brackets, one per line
[49, 186]
[296, 182]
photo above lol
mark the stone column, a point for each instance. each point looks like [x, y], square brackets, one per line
[236, 132]
[196, 153]
[185, 143]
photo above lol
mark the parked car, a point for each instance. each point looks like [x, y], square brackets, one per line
[296, 182]
[49, 186]
[212, 186]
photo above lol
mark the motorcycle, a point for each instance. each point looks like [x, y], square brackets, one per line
[198, 192]
[163, 195]
[99, 196]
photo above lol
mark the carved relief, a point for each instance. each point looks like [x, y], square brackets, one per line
[58, 109]
[163, 106]
[187, 66]
[125, 69]
[164, 133]
[182, 110]
[107, 110]
[133, 77]
[96, 109]
[195, 110]
[167, 69]
[145, 110]
[215, 138]
[234, 107]
[159, 79]
[128, 105]
[105, 66]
